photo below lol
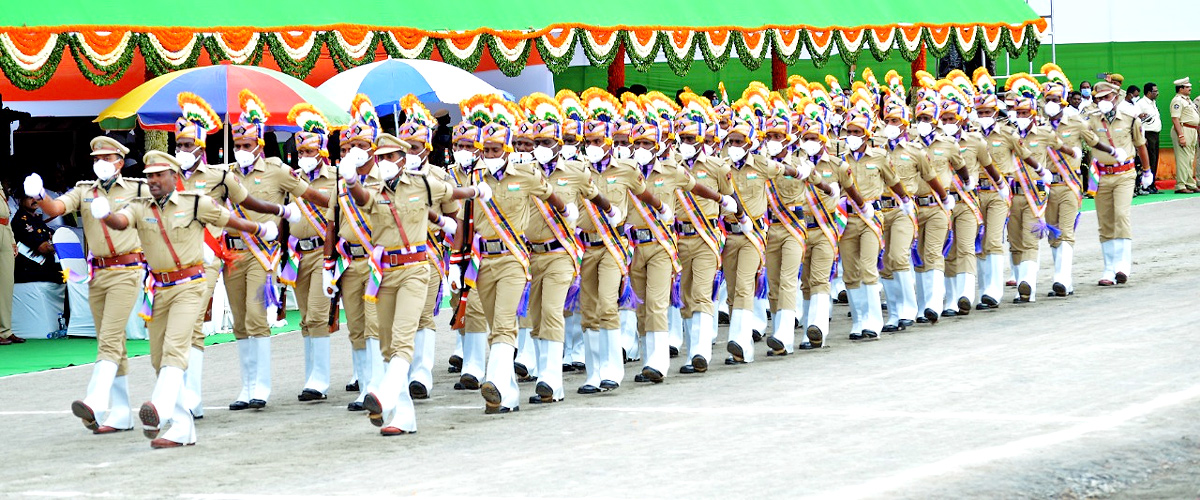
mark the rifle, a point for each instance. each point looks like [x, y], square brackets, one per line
[285, 231]
[464, 251]
[331, 232]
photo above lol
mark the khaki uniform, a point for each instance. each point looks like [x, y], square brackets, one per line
[310, 295]
[784, 252]
[1063, 206]
[502, 277]
[740, 259]
[217, 182]
[910, 164]
[600, 274]
[933, 223]
[399, 217]
[7, 266]
[1114, 195]
[1022, 240]
[697, 259]
[361, 320]
[182, 218]
[113, 290]
[652, 269]
[975, 156]
[1185, 110]
[436, 237]
[553, 270]
[268, 180]
[1005, 150]
[821, 252]
[859, 246]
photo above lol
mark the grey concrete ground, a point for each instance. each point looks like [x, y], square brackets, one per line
[1097, 395]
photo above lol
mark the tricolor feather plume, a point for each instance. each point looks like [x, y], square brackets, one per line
[362, 110]
[539, 107]
[631, 109]
[197, 111]
[475, 110]
[1055, 74]
[308, 118]
[253, 109]
[601, 104]
[572, 107]
[984, 83]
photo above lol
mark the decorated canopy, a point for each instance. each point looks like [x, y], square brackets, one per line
[104, 37]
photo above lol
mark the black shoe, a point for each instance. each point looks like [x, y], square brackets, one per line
[869, 335]
[1024, 290]
[1060, 290]
[964, 306]
[520, 369]
[841, 298]
[1017, 300]
[568, 368]
[455, 364]
[257, 404]
[699, 363]
[608, 385]
[545, 394]
[674, 352]
[579, 367]
[736, 350]
[890, 328]
[989, 302]
[931, 315]
[722, 318]
[905, 323]
[538, 400]
[775, 345]
[777, 353]
[949, 313]
[239, 405]
[687, 369]
[734, 361]
[1122, 278]
[639, 378]
[526, 380]
[417, 390]
[374, 409]
[652, 375]
[807, 346]
[921, 320]
[589, 389]
[355, 406]
[310, 395]
[756, 335]
[489, 410]
[468, 382]
[856, 336]
[352, 387]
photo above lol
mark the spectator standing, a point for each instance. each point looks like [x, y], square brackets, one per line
[1151, 126]
[8, 252]
[1085, 95]
[1184, 121]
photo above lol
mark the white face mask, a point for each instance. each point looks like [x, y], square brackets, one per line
[1053, 108]
[774, 148]
[736, 153]
[308, 163]
[708, 149]
[413, 162]
[186, 159]
[687, 151]
[835, 119]
[387, 169]
[1022, 122]
[244, 158]
[622, 152]
[986, 121]
[543, 154]
[1105, 106]
[104, 170]
[950, 129]
[891, 132]
[494, 164]
[595, 154]
[569, 151]
[643, 156]
[924, 128]
[854, 142]
[721, 133]
[811, 148]
[464, 157]
[521, 157]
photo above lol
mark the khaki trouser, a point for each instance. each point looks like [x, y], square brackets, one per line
[1022, 242]
[1185, 158]
[961, 258]
[401, 298]
[599, 290]
[361, 320]
[932, 229]
[651, 276]
[211, 272]
[1061, 210]
[501, 284]
[1113, 198]
[112, 294]
[431, 299]
[740, 262]
[699, 265]
[310, 295]
[474, 320]
[175, 310]
[897, 241]
[7, 263]
[860, 254]
[552, 277]
[818, 264]
[784, 255]
[244, 284]
[995, 213]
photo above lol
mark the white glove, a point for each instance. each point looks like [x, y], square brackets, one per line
[268, 231]
[348, 171]
[454, 277]
[100, 208]
[209, 256]
[292, 213]
[971, 185]
[1003, 190]
[948, 202]
[1147, 179]
[1078, 153]
[34, 187]
[357, 157]
[667, 214]
[907, 206]
[1120, 155]
[728, 204]
[804, 168]
[615, 216]
[746, 222]
[868, 211]
[448, 225]
[835, 190]
[483, 192]
[571, 213]
[328, 284]
[1047, 178]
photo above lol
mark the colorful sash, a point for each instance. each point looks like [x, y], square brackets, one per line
[662, 235]
[1069, 177]
[795, 226]
[507, 234]
[705, 228]
[616, 246]
[1037, 202]
[967, 197]
[822, 215]
[289, 268]
[558, 226]
[756, 238]
[362, 229]
[314, 216]
[436, 250]
[267, 254]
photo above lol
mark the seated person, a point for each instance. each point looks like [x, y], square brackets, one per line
[35, 260]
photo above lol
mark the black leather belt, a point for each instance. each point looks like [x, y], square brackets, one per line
[877, 205]
[733, 227]
[926, 201]
[546, 247]
[641, 235]
[797, 210]
[1038, 185]
[686, 228]
[235, 243]
[310, 244]
[888, 203]
[492, 247]
[356, 251]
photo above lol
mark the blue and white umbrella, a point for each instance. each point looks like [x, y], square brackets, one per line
[437, 84]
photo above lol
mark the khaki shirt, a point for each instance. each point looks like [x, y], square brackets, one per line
[829, 169]
[945, 158]
[1185, 110]
[1004, 144]
[99, 237]
[1125, 132]
[975, 154]
[325, 183]
[910, 163]
[617, 182]
[4, 213]
[217, 182]
[712, 173]
[1037, 140]
[791, 189]
[571, 182]
[182, 217]
[750, 183]
[404, 205]
[872, 176]
[268, 180]
[371, 182]
[1073, 132]
[662, 180]
[510, 194]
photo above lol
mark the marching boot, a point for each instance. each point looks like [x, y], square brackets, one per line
[381, 402]
[675, 326]
[966, 296]
[420, 372]
[741, 340]
[362, 368]
[891, 288]
[575, 344]
[1123, 258]
[500, 391]
[629, 336]
[456, 359]
[1063, 259]
[818, 322]
[858, 301]
[317, 384]
[613, 369]
[1109, 275]
[658, 356]
[936, 293]
[907, 282]
[873, 313]
[403, 415]
[526, 359]
[782, 341]
[91, 410]
[1027, 284]
[596, 358]
[182, 431]
[192, 378]
[262, 375]
[247, 356]
[475, 354]
[308, 357]
[119, 417]
[549, 387]
[700, 342]
[161, 407]
[921, 291]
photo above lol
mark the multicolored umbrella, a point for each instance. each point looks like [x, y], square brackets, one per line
[388, 81]
[153, 105]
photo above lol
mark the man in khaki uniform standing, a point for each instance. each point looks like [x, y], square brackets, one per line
[8, 254]
[170, 225]
[934, 206]
[1066, 186]
[1113, 135]
[910, 164]
[114, 283]
[1185, 120]
[995, 198]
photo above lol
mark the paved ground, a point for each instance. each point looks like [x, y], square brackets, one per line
[1097, 395]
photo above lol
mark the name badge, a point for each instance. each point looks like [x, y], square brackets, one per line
[322, 190]
[905, 157]
[514, 186]
[152, 220]
[939, 153]
[996, 144]
[384, 202]
[872, 166]
[88, 200]
[120, 200]
[826, 174]
[1034, 144]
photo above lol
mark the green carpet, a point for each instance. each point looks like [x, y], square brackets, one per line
[1163, 195]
